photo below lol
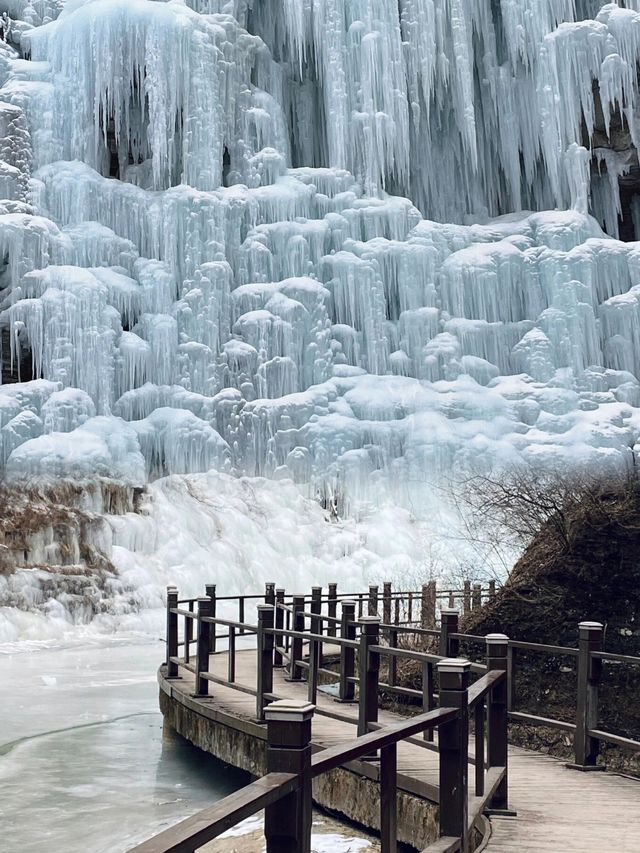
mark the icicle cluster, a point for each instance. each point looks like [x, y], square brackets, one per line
[213, 250]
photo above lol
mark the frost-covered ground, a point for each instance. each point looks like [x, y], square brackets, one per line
[327, 836]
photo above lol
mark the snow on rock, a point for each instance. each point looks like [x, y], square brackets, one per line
[190, 529]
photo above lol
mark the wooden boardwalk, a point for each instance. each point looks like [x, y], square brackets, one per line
[558, 810]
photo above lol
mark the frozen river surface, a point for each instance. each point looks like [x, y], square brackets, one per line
[84, 761]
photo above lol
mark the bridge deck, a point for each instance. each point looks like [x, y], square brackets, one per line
[558, 810]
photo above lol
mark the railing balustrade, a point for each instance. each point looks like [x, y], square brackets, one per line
[302, 633]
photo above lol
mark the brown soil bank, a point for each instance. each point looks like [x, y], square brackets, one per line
[582, 564]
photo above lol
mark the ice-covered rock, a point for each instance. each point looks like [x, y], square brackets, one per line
[213, 252]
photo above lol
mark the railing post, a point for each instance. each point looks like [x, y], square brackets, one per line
[466, 598]
[424, 607]
[172, 632]
[410, 608]
[279, 624]
[453, 745]
[396, 612]
[373, 600]
[270, 593]
[492, 590]
[369, 666]
[393, 660]
[477, 596]
[448, 625]
[389, 798]
[347, 654]
[497, 719]
[586, 748]
[287, 823]
[203, 647]
[386, 603]
[332, 610]
[297, 624]
[210, 592]
[427, 695]
[265, 658]
[478, 731]
[231, 662]
[241, 610]
[315, 646]
[511, 678]
[188, 635]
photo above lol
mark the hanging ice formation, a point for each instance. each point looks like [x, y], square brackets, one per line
[224, 244]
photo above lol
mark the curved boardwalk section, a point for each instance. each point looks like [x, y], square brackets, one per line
[225, 725]
[558, 810]
[295, 699]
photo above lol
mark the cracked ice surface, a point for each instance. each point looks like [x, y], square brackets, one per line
[224, 239]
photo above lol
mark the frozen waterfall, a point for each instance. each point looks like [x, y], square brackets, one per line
[357, 244]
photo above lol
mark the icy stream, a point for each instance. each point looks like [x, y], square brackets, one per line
[84, 762]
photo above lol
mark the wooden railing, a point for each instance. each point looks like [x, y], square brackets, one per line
[285, 791]
[297, 633]
[589, 659]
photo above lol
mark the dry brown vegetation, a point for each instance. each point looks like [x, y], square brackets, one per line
[581, 558]
[581, 561]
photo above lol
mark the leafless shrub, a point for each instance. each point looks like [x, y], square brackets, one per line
[522, 505]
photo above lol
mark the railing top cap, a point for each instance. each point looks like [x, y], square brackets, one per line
[453, 665]
[290, 710]
[496, 639]
[369, 619]
[449, 611]
[592, 626]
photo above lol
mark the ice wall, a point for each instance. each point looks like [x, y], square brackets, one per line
[224, 239]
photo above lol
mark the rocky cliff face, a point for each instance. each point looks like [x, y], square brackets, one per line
[56, 543]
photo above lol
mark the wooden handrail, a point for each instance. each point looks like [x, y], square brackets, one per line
[543, 647]
[208, 824]
[480, 688]
[608, 656]
[307, 635]
[335, 756]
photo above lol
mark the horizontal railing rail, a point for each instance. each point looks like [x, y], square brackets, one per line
[208, 824]
[590, 658]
